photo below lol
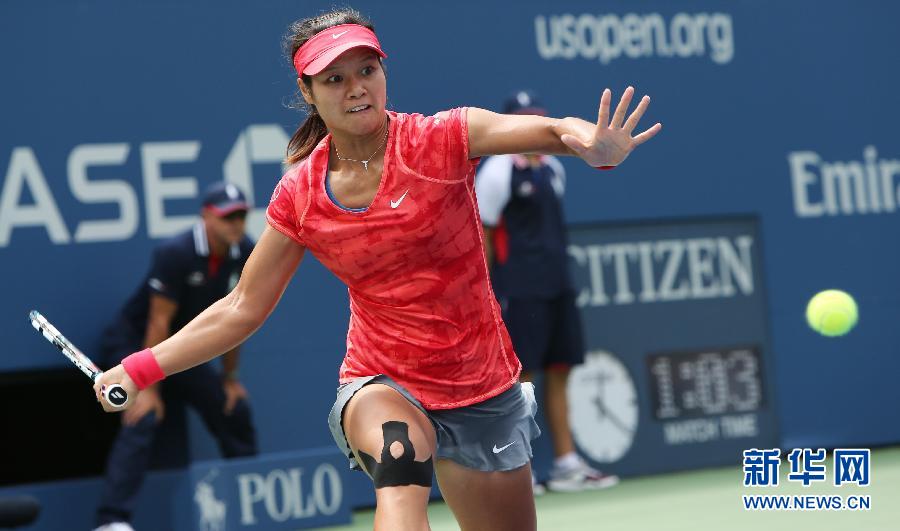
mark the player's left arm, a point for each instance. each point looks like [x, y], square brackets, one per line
[606, 143]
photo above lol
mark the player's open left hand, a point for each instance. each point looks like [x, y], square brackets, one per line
[116, 375]
[610, 142]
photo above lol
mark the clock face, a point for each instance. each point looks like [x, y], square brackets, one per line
[603, 407]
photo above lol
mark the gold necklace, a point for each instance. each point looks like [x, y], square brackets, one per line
[365, 163]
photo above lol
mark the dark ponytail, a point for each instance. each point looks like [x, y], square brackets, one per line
[306, 137]
[313, 129]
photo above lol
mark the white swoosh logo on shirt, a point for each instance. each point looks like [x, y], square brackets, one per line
[395, 204]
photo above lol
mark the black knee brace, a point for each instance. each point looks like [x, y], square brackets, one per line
[401, 471]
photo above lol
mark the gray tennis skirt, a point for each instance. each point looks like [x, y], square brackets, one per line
[492, 435]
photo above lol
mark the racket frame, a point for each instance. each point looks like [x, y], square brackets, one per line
[78, 358]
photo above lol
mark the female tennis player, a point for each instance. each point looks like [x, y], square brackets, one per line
[386, 201]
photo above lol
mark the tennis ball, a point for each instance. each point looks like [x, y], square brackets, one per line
[831, 313]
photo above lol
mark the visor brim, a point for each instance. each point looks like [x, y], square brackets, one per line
[321, 63]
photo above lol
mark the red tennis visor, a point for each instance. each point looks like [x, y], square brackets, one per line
[324, 47]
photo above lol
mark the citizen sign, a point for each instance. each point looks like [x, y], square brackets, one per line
[291, 493]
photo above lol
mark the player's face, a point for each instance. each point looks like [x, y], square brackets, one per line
[226, 229]
[350, 94]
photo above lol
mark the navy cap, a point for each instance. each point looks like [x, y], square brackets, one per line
[224, 198]
[523, 102]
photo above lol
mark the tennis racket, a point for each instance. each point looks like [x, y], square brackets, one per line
[114, 394]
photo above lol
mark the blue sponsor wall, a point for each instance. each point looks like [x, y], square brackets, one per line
[116, 114]
[285, 490]
[680, 374]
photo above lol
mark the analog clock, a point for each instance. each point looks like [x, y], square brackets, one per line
[603, 407]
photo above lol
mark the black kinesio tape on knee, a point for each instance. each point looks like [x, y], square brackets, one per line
[401, 471]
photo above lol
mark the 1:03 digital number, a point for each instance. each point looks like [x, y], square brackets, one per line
[707, 383]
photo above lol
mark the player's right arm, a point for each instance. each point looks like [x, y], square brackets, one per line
[232, 319]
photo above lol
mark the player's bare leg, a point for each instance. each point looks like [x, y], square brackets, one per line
[488, 501]
[378, 412]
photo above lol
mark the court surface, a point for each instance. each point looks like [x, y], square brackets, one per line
[703, 500]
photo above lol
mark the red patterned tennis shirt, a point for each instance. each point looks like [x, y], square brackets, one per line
[421, 306]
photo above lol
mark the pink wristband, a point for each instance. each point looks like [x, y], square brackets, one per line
[143, 368]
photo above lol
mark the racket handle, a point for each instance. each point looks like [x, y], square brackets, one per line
[116, 395]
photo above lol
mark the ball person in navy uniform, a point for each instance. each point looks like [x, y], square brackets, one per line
[189, 272]
[519, 199]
